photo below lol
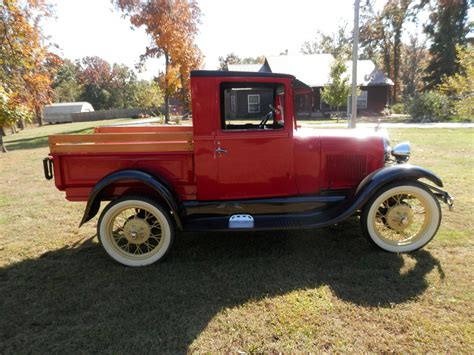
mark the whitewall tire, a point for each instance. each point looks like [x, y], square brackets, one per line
[401, 217]
[135, 231]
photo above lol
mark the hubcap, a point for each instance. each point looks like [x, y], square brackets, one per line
[400, 217]
[137, 231]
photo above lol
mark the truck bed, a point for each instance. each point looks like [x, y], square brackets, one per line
[82, 160]
[115, 139]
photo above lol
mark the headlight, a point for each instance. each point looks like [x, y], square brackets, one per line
[401, 152]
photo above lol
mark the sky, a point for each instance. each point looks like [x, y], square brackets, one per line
[246, 27]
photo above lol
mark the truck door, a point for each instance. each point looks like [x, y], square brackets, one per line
[254, 143]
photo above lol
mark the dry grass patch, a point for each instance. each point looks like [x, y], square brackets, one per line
[319, 290]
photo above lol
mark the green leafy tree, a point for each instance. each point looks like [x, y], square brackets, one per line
[447, 28]
[147, 95]
[338, 43]
[460, 86]
[103, 85]
[11, 111]
[66, 85]
[335, 94]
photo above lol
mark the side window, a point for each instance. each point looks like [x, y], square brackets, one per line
[252, 106]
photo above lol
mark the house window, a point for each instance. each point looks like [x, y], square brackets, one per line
[362, 100]
[253, 103]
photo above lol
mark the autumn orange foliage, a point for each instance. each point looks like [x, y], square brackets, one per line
[26, 66]
[172, 27]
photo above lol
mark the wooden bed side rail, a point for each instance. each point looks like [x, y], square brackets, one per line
[135, 129]
[122, 147]
[119, 138]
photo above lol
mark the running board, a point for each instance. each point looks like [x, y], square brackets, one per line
[269, 222]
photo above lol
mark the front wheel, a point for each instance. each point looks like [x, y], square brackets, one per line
[135, 231]
[402, 217]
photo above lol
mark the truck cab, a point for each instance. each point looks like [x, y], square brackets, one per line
[250, 146]
[244, 165]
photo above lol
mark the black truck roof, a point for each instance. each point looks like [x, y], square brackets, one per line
[239, 74]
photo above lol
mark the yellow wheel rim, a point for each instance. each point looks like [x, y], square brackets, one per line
[402, 218]
[135, 232]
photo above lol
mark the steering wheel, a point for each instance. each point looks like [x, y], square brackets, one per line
[265, 119]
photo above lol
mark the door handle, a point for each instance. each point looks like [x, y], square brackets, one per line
[220, 150]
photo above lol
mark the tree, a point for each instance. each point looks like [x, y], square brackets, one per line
[104, 85]
[338, 43]
[230, 58]
[381, 36]
[95, 77]
[172, 27]
[11, 111]
[147, 95]
[233, 58]
[66, 85]
[460, 86]
[24, 60]
[447, 28]
[413, 66]
[336, 93]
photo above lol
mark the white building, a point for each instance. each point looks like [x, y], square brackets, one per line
[61, 112]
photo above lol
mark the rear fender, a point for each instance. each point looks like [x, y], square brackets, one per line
[159, 186]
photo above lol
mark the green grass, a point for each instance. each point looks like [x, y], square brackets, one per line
[37, 137]
[317, 290]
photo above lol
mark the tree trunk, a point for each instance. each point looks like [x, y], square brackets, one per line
[396, 65]
[38, 116]
[2, 143]
[167, 96]
[21, 124]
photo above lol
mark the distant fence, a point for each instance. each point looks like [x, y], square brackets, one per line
[109, 114]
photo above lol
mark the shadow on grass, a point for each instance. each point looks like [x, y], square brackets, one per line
[77, 299]
[36, 142]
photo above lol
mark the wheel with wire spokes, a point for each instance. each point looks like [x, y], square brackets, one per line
[402, 217]
[135, 231]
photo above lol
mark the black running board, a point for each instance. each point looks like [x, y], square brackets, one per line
[270, 222]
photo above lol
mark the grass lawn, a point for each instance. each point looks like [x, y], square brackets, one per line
[318, 290]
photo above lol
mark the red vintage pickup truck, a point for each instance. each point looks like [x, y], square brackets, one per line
[244, 165]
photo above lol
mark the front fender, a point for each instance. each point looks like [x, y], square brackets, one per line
[93, 204]
[386, 175]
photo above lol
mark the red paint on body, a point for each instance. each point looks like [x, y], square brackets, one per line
[258, 163]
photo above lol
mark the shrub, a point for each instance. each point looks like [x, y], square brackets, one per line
[398, 108]
[430, 106]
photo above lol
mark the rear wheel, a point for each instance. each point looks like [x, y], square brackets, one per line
[402, 217]
[135, 231]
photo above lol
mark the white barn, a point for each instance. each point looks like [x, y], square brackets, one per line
[61, 112]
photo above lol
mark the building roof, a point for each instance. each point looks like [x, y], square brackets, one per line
[68, 107]
[245, 67]
[314, 69]
[368, 74]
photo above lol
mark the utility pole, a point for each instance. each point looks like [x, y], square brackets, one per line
[355, 51]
